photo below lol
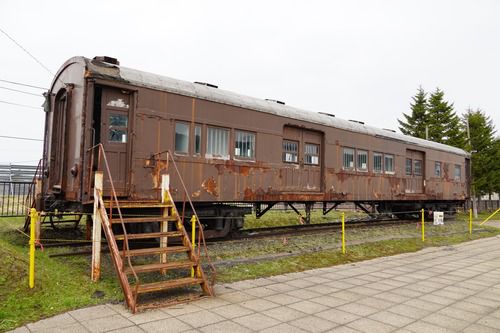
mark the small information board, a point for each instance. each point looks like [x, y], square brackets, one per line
[438, 218]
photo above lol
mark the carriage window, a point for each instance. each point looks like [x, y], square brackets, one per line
[458, 172]
[377, 162]
[244, 144]
[437, 169]
[362, 161]
[389, 163]
[290, 151]
[197, 139]
[417, 167]
[409, 165]
[348, 158]
[217, 142]
[311, 154]
[181, 138]
[117, 124]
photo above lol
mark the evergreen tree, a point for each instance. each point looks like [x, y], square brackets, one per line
[485, 151]
[444, 124]
[415, 123]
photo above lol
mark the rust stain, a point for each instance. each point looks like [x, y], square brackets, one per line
[158, 167]
[210, 185]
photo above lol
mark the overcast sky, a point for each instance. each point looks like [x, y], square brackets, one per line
[360, 60]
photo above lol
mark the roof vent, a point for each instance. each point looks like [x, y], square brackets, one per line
[207, 84]
[357, 121]
[275, 101]
[107, 59]
[389, 130]
[327, 114]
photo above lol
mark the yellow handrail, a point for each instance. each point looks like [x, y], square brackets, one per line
[489, 217]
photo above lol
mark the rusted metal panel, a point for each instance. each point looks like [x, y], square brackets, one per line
[156, 103]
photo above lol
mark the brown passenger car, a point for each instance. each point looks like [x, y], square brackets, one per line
[230, 148]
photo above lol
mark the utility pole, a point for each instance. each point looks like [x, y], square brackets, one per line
[473, 187]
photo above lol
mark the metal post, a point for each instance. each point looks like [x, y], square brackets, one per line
[193, 232]
[470, 221]
[33, 217]
[96, 231]
[423, 225]
[165, 184]
[343, 233]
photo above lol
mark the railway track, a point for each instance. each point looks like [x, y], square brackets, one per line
[310, 228]
[267, 232]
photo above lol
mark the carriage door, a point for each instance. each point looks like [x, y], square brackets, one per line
[302, 160]
[414, 171]
[115, 124]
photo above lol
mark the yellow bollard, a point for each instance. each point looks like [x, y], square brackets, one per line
[423, 225]
[33, 218]
[343, 233]
[470, 221]
[193, 232]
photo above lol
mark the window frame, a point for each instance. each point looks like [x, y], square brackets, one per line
[420, 168]
[188, 130]
[408, 172]
[209, 154]
[121, 129]
[284, 151]
[358, 153]
[393, 158]
[195, 127]
[353, 155]
[381, 155]
[307, 154]
[253, 145]
[438, 169]
[459, 168]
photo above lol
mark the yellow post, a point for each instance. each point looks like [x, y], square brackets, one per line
[423, 225]
[33, 218]
[343, 233]
[193, 232]
[470, 221]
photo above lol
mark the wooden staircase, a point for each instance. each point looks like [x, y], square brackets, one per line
[157, 261]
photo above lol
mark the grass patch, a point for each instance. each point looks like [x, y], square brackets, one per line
[61, 284]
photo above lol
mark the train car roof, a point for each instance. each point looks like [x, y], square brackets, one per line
[149, 80]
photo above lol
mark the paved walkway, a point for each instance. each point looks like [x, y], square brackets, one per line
[446, 289]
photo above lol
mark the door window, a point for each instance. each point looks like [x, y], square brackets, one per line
[117, 131]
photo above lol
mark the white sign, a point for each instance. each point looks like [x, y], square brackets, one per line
[438, 218]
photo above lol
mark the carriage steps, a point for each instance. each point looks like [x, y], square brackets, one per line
[151, 264]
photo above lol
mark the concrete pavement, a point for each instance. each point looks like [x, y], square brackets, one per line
[443, 289]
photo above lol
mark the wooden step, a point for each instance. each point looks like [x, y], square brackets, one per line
[151, 235]
[170, 284]
[154, 250]
[144, 219]
[138, 204]
[160, 266]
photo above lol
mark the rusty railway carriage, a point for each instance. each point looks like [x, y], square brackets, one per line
[233, 151]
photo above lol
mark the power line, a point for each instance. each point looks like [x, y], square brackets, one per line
[23, 105]
[19, 138]
[23, 84]
[27, 52]
[21, 91]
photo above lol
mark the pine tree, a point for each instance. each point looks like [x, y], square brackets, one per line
[415, 123]
[485, 151]
[444, 124]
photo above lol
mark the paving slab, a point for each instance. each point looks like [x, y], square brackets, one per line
[441, 289]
